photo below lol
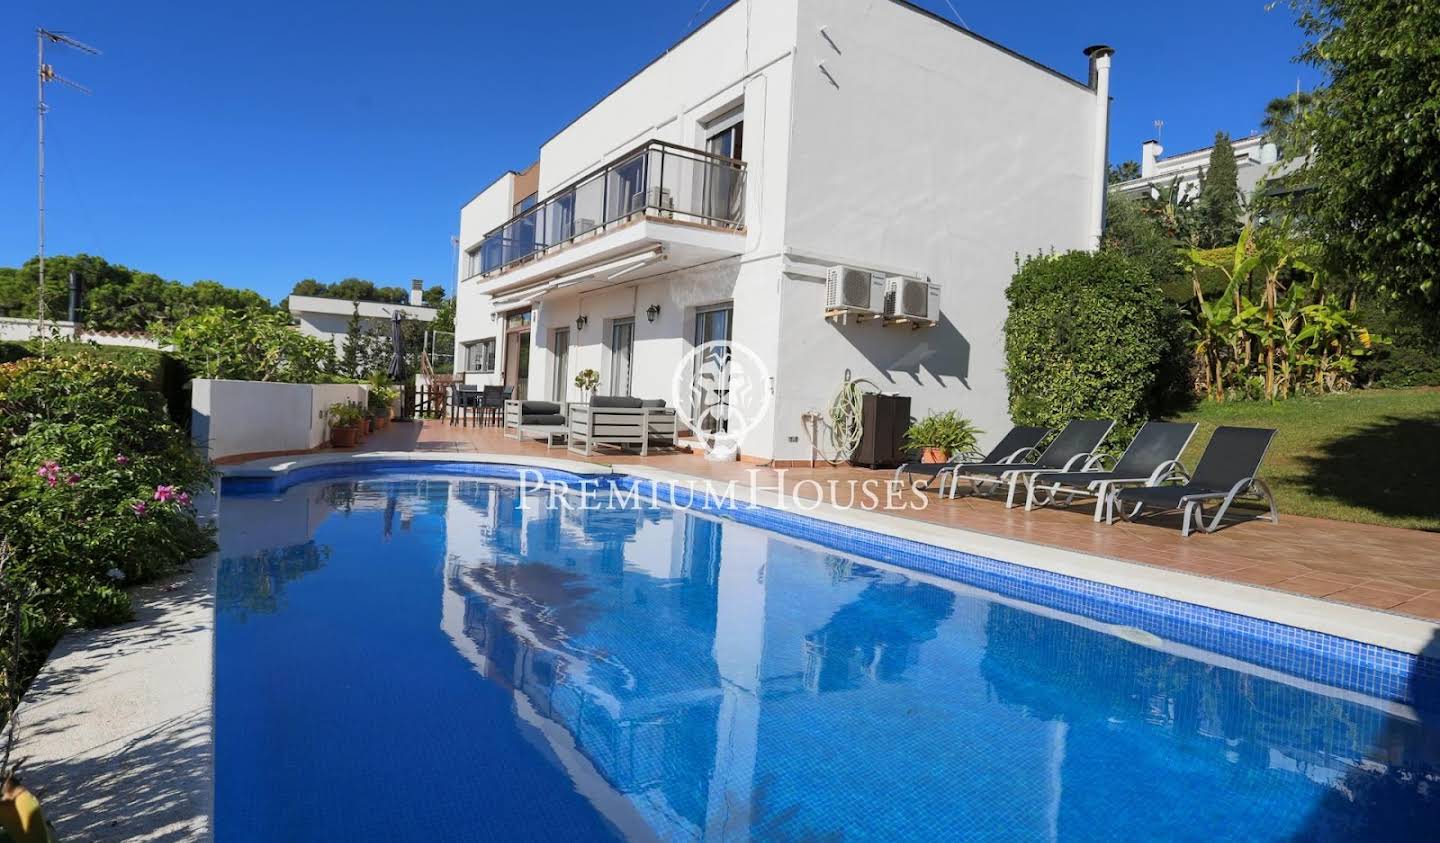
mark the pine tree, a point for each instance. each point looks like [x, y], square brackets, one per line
[1217, 210]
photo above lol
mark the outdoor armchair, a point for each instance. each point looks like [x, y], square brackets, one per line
[1227, 471]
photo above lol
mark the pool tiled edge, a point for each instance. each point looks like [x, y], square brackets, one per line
[1390, 669]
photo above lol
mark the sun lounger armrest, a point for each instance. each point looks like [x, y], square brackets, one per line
[1030, 451]
[1078, 459]
[1168, 470]
[1096, 462]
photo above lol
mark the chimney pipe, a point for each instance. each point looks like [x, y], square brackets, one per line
[417, 292]
[1150, 152]
[1099, 56]
[74, 312]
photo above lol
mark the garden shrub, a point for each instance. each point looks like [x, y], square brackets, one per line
[248, 346]
[164, 371]
[1090, 335]
[95, 493]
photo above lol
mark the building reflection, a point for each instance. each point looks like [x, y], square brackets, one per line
[644, 636]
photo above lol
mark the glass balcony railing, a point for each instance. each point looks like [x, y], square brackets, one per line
[657, 179]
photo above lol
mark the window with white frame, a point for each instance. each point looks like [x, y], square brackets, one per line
[480, 356]
[472, 262]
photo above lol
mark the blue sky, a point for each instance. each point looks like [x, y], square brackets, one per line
[260, 143]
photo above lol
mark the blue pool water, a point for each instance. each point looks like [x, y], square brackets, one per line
[412, 658]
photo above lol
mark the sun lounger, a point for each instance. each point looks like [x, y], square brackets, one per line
[1016, 445]
[1227, 471]
[1074, 448]
[1152, 458]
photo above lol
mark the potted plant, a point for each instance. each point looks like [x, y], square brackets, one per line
[345, 420]
[382, 399]
[587, 380]
[938, 436]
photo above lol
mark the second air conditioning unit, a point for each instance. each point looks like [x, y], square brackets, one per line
[912, 299]
[851, 289]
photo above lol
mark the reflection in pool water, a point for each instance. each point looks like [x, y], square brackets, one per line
[450, 659]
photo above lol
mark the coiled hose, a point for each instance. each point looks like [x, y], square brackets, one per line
[841, 421]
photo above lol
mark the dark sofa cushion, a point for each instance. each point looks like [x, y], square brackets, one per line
[653, 403]
[602, 402]
[541, 418]
[541, 408]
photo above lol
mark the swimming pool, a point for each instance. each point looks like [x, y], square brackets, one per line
[449, 658]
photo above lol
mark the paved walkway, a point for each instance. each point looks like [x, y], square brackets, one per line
[1364, 565]
[115, 731]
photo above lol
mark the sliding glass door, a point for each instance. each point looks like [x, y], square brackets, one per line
[622, 352]
[712, 367]
[560, 376]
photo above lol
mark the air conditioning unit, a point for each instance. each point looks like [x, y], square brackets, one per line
[848, 288]
[915, 299]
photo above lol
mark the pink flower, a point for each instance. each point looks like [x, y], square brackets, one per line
[73, 478]
[183, 498]
[49, 472]
[121, 459]
[139, 507]
[164, 494]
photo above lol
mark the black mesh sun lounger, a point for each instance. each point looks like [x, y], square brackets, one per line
[1019, 442]
[1072, 448]
[1152, 458]
[1226, 471]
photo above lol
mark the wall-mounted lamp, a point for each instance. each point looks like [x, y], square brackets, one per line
[652, 311]
[581, 321]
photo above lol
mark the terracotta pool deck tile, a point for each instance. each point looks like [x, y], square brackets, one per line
[1426, 606]
[1375, 598]
[1372, 566]
[1312, 586]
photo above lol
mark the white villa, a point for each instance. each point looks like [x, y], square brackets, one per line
[329, 319]
[1256, 159]
[785, 142]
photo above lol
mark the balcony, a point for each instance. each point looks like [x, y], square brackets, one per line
[656, 182]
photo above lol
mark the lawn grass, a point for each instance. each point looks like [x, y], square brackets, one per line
[1371, 456]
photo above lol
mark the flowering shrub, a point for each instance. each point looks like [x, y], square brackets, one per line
[95, 486]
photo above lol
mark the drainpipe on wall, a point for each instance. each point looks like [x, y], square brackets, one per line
[1099, 56]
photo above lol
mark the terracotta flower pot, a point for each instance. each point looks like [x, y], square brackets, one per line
[934, 455]
[381, 422]
[344, 437]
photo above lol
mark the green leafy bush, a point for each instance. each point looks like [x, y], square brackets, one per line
[95, 493]
[250, 345]
[1090, 335]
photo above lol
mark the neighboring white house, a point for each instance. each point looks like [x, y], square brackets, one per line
[329, 319]
[708, 196]
[22, 330]
[1256, 160]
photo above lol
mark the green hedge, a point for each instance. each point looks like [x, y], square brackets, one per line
[1090, 335]
[166, 373]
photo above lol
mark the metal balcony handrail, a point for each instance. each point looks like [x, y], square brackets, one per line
[715, 196]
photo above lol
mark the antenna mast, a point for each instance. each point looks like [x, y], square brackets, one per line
[45, 75]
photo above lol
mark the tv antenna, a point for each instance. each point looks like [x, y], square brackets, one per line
[1159, 129]
[45, 76]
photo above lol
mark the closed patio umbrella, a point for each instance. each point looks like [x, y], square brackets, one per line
[397, 349]
[397, 358]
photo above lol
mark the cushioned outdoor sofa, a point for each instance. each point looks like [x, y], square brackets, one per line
[535, 420]
[620, 421]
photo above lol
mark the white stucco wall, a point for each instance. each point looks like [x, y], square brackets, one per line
[928, 150]
[24, 330]
[248, 417]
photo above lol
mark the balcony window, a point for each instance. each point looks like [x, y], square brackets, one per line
[657, 179]
[480, 356]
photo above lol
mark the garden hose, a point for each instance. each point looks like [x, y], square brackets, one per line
[841, 420]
